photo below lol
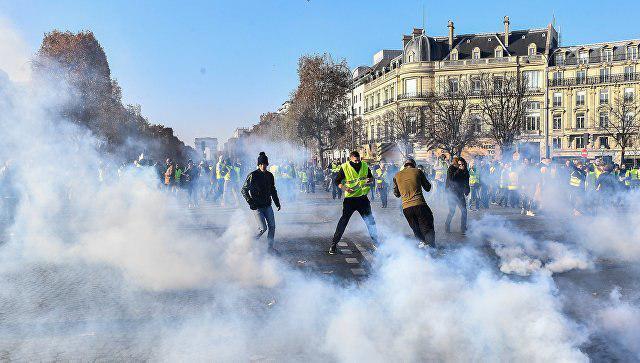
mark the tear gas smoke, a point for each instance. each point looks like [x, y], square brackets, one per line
[90, 267]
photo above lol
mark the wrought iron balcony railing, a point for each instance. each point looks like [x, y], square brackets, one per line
[591, 80]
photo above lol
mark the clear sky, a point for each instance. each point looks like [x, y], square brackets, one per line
[207, 67]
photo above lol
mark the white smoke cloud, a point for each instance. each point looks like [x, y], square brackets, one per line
[14, 61]
[620, 321]
[523, 255]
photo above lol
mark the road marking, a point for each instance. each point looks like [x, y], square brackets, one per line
[358, 271]
[346, 251]
[343, 244]
[351, 260]
[366, 254]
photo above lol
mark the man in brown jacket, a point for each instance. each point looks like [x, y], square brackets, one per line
[408, 184]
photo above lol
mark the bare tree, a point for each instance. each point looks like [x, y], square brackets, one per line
[448, 125]
[403, 126]
[624, 123]
[318, 105]
[503, 104]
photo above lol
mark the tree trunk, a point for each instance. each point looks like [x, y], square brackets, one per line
[622, 150]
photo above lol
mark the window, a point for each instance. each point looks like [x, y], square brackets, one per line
[371, 133]
[628, 73]
[607, 55]
[557, 78]
[386, 94]
[454, 55]
[498, 53]
[532, 122]
[453, 85]
[603, 120]
[580, 121]
[532, 79]
[604, 96]
[476, 53]
[580, 98]
[604, 142]
[533, 106]
[579, 142]
[532, 49]
[628, 118]
[393, 95]
[497, 84]
[581, 77]
[410, 57]
[605, 74]
[632, 52]
[557, 122]
[559, 59]
[557, 143]
[410, 86]
[583, 57]
[557, 99]
[476, 84]
[476, 123]
[628, 95]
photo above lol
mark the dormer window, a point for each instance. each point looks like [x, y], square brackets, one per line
[632, 52]
[454, 55]
[559, 59]
[410, 57]
[476, 53]
[607, 55]
[533, 49]
[583, 57]
[499, 52]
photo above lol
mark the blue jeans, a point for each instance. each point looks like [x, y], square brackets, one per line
[266, 221]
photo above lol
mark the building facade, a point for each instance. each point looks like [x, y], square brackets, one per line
[411, 76]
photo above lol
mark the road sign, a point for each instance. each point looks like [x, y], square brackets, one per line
[584, 153]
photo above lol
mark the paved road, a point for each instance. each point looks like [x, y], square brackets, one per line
[305, 228]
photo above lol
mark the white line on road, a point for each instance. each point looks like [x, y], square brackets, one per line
[343, 244]
[346, 251]
[366, 254]
[351, 260]
[358, 271]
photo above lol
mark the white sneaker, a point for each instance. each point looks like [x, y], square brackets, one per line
[531, 214]
[422, 245]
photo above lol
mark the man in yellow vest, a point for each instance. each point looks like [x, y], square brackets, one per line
[336, 192]
[440, 176]
[355, 179]
[304, 181]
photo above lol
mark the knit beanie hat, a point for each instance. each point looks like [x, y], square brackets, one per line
[263, 159]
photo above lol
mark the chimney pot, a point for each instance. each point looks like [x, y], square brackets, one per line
[506, 31]
[451, 28]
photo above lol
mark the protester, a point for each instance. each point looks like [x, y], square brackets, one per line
[457, 185]
[259, 190]
[408, 184]
[355, 179]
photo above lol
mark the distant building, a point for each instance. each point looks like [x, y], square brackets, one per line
[207, 147]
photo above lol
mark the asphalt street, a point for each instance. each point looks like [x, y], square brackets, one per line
[304, 230]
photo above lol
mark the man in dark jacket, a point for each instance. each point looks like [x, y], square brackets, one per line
[408, 184]
[258, 190]
[457, 186]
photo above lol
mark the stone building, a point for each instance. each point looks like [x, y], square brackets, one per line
[410, 76]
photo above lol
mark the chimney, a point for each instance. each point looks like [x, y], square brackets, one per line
[406, 39]
[506, 31]
[450, 26]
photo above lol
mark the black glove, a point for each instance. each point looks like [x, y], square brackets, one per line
[252, 205]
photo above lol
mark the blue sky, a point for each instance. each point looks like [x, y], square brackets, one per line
[207, 67]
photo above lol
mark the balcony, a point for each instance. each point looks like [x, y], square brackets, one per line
[613, 78]
[415, 96]
[594, 60]
[387, 101]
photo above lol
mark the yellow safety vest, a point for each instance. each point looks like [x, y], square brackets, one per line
[356, 180]
[473, 177]
[219, 167]
[574, 181]
[303, 176]
[513, 181]
[381, 176]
